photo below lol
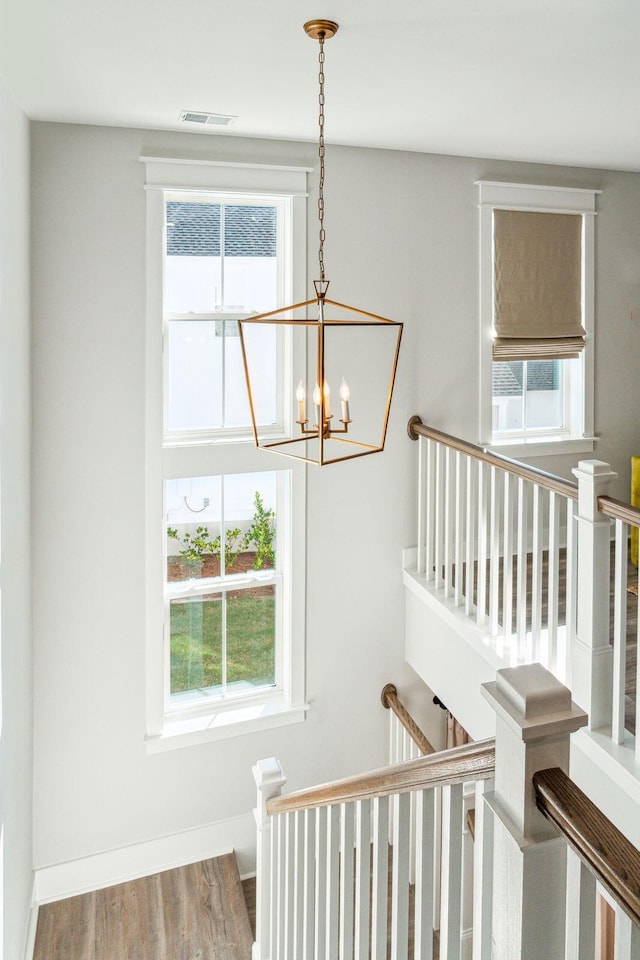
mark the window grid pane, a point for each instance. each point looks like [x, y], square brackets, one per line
[220, 258]
[529, 397]
[221, 542]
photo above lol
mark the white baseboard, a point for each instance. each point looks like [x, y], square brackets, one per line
[74, 877]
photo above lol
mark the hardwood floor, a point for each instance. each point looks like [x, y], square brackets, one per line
[195, 912]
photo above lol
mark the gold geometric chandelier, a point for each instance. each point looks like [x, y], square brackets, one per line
[345, 349]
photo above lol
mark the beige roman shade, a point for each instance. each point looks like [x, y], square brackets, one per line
[537, 285]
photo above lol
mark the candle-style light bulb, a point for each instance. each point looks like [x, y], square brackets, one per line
[344, 397]
[316, 401]
[327, 399]
[300, 397]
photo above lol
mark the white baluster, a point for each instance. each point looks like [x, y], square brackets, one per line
[472, 493]
[363, 877]
[537, 652]
[400, 879]
[269, 779]
[571, 589]
[298, 883]
[459, 531]
[380, 883]
[581, 910]
[346, 880]
[483, 529]
[619, 632]
[422, 499]
[397, 746]
[521, 590]
[424, 880]
[439, 516]
[309, 886]
[627, 944]
[482, 874]
[282, 901]
[494, 563]
[451, 873]
[448, 518]
[333, 881]
[320, 921]
[553, 593]
[430, 510]
[289, 888]
[507, 570]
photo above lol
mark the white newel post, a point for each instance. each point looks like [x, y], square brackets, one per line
[592, 654]
[534, 719]
[269, 780]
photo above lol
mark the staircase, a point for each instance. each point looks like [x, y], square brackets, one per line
[530, 885]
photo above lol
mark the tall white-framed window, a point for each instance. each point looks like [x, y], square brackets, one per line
[225, 524]
[535, 400]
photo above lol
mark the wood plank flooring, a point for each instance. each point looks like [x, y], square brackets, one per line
[195, 912]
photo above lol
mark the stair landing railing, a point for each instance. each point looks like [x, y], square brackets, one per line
[541, 850]
[493, 535]
[529, 558]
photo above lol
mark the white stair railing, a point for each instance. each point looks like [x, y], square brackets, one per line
[331, 884]
[542, 850]
[527, 558]
[492, 537]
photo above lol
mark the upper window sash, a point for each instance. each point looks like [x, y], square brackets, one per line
[214, 241]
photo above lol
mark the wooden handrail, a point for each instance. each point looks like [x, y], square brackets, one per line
[416, 428]
[473, 761]
[390, 701]
[604, 850]
[619, 510]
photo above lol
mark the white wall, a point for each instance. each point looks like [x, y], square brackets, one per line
[448, 348]
[95, 787]
[16, 866]
[401, 241]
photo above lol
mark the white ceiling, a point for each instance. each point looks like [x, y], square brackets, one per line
[540, 80]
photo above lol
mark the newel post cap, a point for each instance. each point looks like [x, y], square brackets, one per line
[268, 775]
[533, 703]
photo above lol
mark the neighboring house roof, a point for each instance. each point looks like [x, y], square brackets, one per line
[193, 230]
[507, 377]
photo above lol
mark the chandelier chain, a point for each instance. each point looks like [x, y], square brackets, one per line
[321, 155]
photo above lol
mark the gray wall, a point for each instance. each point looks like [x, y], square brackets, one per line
[401, 241]
[16, 767]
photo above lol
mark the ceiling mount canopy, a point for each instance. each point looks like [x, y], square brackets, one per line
[352, 351]
[321, 28]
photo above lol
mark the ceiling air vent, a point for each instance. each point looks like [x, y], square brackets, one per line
[214, 119]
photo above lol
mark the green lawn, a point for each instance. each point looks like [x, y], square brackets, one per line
[196, 640]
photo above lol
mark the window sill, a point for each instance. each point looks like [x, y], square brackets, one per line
[223, 724]
[543, 446]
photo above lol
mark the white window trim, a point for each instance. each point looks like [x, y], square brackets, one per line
[535, 198]
[208, 457]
